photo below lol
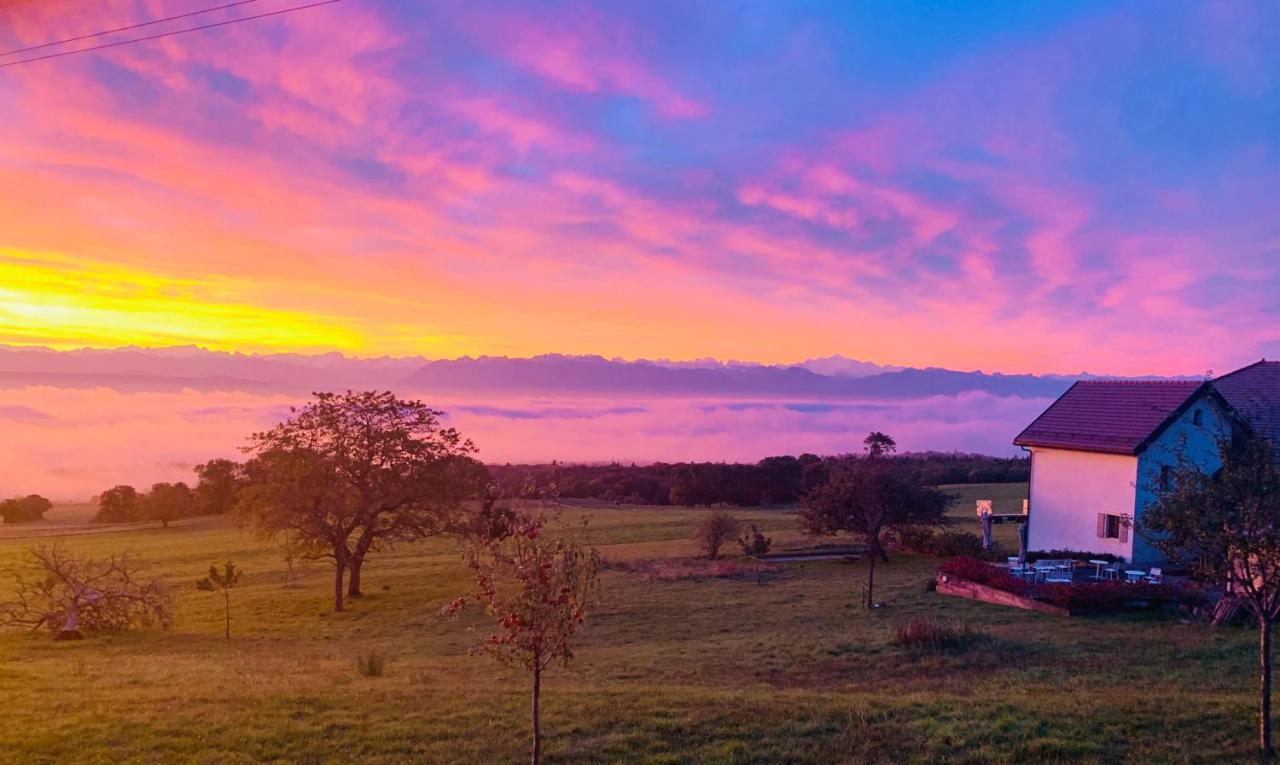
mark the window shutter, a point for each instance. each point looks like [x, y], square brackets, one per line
[1102, 525]
[1124, 532]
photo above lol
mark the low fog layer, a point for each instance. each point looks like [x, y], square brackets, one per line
[70, 443]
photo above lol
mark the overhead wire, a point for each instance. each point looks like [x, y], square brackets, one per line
[169, 33]
[125, 28]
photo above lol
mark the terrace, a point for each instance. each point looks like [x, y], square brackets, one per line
[1062, 587]
[1071, 571]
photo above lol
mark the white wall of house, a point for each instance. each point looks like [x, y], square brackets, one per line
[1068, 491]
[1183, 440]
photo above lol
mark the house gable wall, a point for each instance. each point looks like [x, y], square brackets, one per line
[1182, 440]
[1068, 490]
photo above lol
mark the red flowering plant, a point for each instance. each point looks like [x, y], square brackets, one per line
[983, 573]
[537, 587]
[1080, 596]
[1110, 596]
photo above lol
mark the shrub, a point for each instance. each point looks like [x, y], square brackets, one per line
[754, 544]
[947, 543]
[371, 665]
[925, 634]
[681, 569]
[713, 531]
[984, 573]
[1080, 555]
[24, 509]
[916, 539]
[1110, 596]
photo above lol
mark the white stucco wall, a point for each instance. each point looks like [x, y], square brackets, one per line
[1069, 489]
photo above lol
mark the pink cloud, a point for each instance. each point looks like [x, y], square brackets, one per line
[589, 55]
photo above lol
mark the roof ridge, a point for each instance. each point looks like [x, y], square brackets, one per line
[1113, 416]
[1259, 363]
[1148, 382]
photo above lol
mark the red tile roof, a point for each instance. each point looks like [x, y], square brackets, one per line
[1112, 416]
[1254, 392]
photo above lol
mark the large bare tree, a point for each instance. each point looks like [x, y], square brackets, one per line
[59, 591]
[350, 472]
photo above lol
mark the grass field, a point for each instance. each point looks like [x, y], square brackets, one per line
[692, 671]
[1005, 497]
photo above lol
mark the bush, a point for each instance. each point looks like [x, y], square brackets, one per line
[936, 635]
[942, 544]
[680, 569]
[1079, 555]
[948, 544]
[916, 538]
[24, 509]
[984, 573]
[1111, 596]
[713, 531]
[371, 665]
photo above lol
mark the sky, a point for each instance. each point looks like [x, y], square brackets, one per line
[1019, 187]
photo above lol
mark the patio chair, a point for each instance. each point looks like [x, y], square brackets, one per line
[1112, 571]
[1155, 577]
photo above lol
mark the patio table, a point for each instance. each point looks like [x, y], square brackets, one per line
[1098, 564]
[1135, 576]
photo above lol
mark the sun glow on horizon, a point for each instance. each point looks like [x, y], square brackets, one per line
[66, 302]
[410, 179]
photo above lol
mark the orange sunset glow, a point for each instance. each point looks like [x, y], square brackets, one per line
[584, 381]
[244, 190]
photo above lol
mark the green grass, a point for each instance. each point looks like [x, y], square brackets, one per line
[1005, 497]
[705, 671]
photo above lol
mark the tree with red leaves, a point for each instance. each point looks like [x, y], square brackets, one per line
[537, 588]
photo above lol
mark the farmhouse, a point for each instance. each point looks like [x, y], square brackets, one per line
[1101, 452]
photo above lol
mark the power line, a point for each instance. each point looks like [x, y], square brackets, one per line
[125, 28]
[159, 35]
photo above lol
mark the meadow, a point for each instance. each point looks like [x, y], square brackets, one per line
[705, 670]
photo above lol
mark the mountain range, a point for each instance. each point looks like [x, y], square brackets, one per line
[138, 369]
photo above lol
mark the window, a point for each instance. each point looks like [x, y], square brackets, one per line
[1166, 478]
[1197, 418]
[1113, 527]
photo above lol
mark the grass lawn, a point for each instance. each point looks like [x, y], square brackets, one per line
[1005, 498]
[690, 671]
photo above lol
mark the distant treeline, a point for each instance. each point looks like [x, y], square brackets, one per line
[771, 481]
